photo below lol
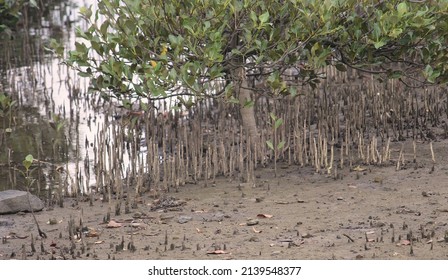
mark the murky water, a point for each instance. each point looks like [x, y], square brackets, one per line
[52, 119]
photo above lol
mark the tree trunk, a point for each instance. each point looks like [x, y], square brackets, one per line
[246, 106]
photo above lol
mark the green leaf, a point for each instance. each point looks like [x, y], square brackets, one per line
[85, 12]
[28, 162]
[33, 4]
[402, 9]
[233, 100]
[270, 145]
[379, 44]
[280, 145]
[278, 123]
[395, 32]
[263, 18]
[249, 103]
[341, 67]
[253, 16]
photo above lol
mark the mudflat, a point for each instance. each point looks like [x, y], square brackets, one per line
[365, 212]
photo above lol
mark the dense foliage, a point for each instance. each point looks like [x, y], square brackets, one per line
[156, 49]
[10, 12]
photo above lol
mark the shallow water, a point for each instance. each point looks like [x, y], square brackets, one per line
[52, 119]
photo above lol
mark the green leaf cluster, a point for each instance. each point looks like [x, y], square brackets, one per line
[10, 13]
[155, 48]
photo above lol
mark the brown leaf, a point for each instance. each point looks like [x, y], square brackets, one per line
[137, 225]
[359, 168]
[217, 252]
[256, 231]
[99, 242]
[113, 224]
[92, 233]
[264, 216]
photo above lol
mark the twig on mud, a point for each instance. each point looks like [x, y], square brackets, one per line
[41, 233]
[349, 238]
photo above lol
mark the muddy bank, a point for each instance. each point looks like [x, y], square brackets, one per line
[366, 213]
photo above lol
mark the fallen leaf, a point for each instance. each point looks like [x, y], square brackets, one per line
[136, 225]
[92, 233]
[99, 242]
[256, 231]
[404, 242]
[359, 168]
[113, 224]
[264, 216]
[198, 230]
[217, 252]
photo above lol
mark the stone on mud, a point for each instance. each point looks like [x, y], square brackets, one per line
[13, 201]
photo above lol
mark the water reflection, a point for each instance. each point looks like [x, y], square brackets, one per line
[50, 120]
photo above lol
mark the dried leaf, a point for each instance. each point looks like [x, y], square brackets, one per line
[198, 230]
[92, 233]
[137, 225]
[359, 168]
[404, 242]
[256, 231]
[113, 224]
[217, 252]
[99, 242]
[264, 216]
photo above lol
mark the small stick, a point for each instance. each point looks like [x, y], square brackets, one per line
[432, 153]
[349, 238]
[414, 146]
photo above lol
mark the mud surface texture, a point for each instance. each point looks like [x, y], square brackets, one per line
[364, 212]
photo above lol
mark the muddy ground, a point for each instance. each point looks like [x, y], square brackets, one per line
[369, 212]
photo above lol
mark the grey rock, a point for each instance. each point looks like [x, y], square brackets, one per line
[13, 201]
[184, 219]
